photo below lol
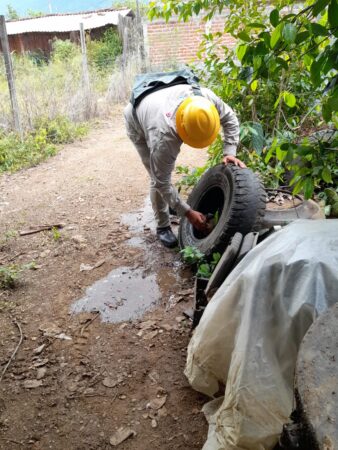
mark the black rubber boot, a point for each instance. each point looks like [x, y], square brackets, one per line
[167, 237]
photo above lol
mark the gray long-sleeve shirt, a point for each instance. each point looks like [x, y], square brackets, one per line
[155, 127]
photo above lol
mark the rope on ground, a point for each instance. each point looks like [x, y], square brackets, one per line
[15, 351]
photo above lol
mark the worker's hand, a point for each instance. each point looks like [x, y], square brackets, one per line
[232, 159]
[197, 219]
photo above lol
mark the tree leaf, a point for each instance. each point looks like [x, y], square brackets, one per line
[326, 175]
[333, 13]
[289, 33]
[326, 112]
[244, 36]
[256, 25]
[302, 36]
[274, 17]
[315, 70]
[308, 187]
[318, 30]
[241, 50]
[276, 35]
[282, 63]
[333, 101]
[252, 136]
[280, 154]
[289, 99]
[254, 85]
[319, 6]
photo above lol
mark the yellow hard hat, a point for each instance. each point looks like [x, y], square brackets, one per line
[197, 121]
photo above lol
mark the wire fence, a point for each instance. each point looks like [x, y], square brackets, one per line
[58, 87]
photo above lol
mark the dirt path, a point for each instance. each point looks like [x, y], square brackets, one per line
[75, 379]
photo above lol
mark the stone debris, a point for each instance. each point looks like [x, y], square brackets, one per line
[150, 335]
[121, 435]
[109, 382]
[87, 267]
[157, 403]
[179, 319]
[32, 384]
[50, 330]
[41, 372]
[79, 239]
[63, 337]
[39, 350]
[40, 362]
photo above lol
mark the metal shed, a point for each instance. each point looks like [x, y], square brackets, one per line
[37, 34]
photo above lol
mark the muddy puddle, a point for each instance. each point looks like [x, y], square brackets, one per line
[127, 293]
[123, 295]
[140, 220]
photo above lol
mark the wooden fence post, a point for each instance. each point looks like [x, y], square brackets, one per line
[141, 48]
[10, 75]
[85, 72]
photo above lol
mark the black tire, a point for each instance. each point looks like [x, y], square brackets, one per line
[237, 194]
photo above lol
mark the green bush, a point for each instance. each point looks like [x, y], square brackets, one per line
[60, 130]
[281, 78]
[64, 50]
[103, 53]
[37, 145]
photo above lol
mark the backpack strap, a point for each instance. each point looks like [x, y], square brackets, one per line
[147, 83]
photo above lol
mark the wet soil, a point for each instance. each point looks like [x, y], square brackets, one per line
[103, 335]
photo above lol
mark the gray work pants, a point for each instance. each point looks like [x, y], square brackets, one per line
[159, 205]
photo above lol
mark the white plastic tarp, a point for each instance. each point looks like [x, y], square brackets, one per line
[250, 332]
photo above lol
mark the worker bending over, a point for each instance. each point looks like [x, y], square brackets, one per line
[159, 124]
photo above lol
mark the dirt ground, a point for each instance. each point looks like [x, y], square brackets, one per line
[76, 380]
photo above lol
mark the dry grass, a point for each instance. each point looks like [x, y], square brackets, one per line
[57, 89]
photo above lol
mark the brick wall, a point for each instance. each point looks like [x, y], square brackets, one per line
[178, 42]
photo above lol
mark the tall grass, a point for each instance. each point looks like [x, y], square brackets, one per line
[57, 89]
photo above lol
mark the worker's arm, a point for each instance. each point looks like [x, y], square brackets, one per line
[230, 127]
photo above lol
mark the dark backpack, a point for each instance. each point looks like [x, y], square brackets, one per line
[147, 83]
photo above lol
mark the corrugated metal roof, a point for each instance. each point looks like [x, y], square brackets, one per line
[64, 23]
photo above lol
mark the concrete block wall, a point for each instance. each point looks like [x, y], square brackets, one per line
[174, 43]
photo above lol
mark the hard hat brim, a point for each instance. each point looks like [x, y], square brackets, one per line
[190, 140]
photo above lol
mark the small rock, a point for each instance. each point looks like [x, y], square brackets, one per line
[150, 335]
[41, 362]
[41, 373]
[50, 330]
[109, 382]
[85, 268]
[38, 350]
[121, 435]
[63, 337]
[186, 292]
[89, 391]
[79, 239]
[179, 319]
[157, 403]
[162, 412]
[32, 384]
[153, 423]
[147, 325]
[167, 327]
[44, 254]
